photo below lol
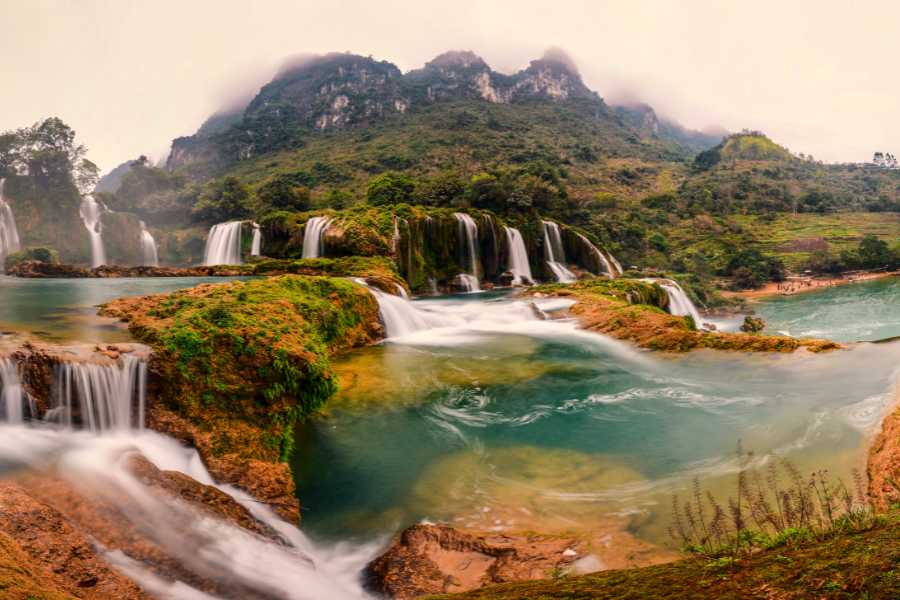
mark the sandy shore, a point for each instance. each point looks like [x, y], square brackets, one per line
[799, 285]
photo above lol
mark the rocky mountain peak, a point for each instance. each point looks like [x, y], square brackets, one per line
[456, 60]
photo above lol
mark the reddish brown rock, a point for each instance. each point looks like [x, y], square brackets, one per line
[435, 559]
[269, 482]
[57, 550]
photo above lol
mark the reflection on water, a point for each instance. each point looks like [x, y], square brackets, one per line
[65, 309]
[848, 313]
[549, 431]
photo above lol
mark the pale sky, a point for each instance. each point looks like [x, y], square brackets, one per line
[819, 77]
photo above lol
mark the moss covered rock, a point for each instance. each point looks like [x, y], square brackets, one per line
[634, 310]
[237, 365]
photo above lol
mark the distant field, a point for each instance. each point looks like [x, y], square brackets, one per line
[793, 237]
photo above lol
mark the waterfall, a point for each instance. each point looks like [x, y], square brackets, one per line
[607, 266]
[400, 317]
[149, 257]
[313, 237]
[103, 393]
[555, 254]
[9, 235]
[679, 303]
[12, 397]
[468, 234]
[91, 211]
[256, 242]
[517, 263]
[223, 245]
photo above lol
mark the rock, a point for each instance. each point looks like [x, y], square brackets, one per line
[753, 324]
[65, 558]
[207, 498]
[436, 559]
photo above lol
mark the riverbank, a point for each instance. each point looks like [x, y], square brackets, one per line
[802, 284]
[633, 310]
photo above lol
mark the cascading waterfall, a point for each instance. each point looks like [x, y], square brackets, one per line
[607, 266]
[679, 303]
[313, 237]
[555, 254]
[9, 235]
[468, 234]
[256, 242]
[107, 396]
[91, 211]
[149, 257]
[12, 397]
[400, 317]
[518, 258]
[223, 245]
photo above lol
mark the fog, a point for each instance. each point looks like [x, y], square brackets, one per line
[818, 77]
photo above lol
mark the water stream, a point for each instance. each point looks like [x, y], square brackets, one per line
[91, 212]
[149, 257]
[468, 238]
[521, 422]
[313, 237]
[518, 263]
[9, 235]
[555, 253]
[223, 244]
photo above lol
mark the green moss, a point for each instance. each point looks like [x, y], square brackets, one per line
[256, 351]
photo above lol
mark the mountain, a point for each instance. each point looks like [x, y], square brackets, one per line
[337, 92]
[643, 118]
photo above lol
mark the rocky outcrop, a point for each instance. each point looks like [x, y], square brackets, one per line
[235, 366]
[436, 559]
[632, 310]
[61, 558]
[339, 90]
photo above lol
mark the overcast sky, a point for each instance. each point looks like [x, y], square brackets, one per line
[819, 77]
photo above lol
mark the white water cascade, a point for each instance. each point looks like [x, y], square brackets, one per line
[256, 242]
[679, 303]
[149, 257]
[107, 396]
[91, 211]
[468, 234]
[12, 397]
[607, 265]
[400, 316]
[9, 235]
[518, 258]
[313, 237]
[223, 245]
[555, 254]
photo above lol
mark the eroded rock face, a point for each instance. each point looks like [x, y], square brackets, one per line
[57, 551]
[435, 559]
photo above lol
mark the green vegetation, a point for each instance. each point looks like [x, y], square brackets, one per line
[252, 353]
[38, 253]
[634, 310]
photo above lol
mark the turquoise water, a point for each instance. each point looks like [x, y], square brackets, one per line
[848, 313]
[65, 309]
[542, 427]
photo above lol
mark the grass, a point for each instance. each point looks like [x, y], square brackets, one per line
[782, 535]
[792, 236]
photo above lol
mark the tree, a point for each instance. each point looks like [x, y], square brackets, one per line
[282, 193]
[874, 253]
[390, 188]
[48, 152]
[223, 200]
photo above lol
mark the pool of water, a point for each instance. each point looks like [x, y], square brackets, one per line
[847, 313]
[521, 424]
[66, 309]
